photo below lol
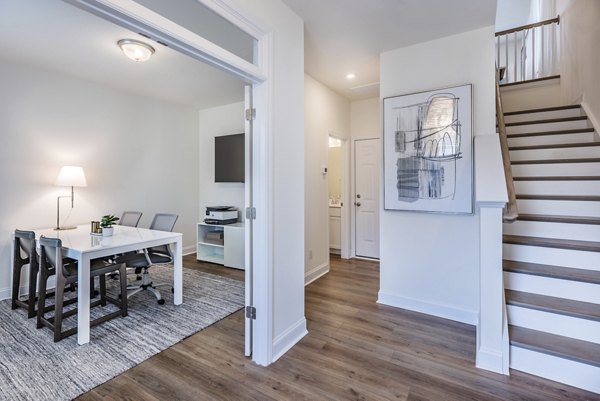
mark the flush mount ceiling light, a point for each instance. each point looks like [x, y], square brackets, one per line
[350, 75]
[136, 50]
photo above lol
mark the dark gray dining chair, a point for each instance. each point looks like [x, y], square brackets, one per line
[151, 256]
[51, 264]
[130, 219]
[24, 243]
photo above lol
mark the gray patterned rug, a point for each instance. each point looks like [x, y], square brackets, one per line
[33, 367]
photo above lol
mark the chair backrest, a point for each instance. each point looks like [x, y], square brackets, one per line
[163, 222]
[51, 255]
[130, 219]
[25, 241]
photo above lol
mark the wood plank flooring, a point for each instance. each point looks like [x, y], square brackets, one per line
[356, 349]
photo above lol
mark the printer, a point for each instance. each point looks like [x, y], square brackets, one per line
[221, 215]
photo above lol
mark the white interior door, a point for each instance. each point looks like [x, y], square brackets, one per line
[366, 197]
[249, 302]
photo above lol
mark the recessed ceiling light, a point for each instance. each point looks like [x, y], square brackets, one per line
[136, 50]
[350, 75]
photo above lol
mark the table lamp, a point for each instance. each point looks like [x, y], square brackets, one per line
[69, 176]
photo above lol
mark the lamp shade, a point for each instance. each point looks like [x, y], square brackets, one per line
[71, 176]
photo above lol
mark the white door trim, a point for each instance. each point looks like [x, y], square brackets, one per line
[134, 16]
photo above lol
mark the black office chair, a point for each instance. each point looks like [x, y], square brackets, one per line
[151, 256]
[130, 219]
[51, 263]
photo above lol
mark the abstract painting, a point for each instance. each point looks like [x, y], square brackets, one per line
[427, 148]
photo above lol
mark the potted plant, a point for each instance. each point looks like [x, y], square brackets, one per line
[106, 224]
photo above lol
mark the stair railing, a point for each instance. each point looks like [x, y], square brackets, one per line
[510, 212]
[519, 49]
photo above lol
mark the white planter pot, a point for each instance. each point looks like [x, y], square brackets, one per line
[107, 231]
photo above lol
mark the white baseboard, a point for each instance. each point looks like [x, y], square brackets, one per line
[443, 311]
[491, 360]
[188, 250]
[289, 338]
[316, 273]
[5, 293]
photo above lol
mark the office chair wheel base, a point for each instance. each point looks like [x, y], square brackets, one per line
[161, 301]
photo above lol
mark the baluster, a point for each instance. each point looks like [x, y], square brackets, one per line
[543, 50]
[506, 49]
[515, 60]
[533, 53]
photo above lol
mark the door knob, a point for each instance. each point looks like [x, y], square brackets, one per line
[357, 196]
[357, 203]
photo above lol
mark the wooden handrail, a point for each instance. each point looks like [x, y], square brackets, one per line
[510, 213]
[534, 25]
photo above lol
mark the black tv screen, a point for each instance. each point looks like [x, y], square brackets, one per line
[230, 158]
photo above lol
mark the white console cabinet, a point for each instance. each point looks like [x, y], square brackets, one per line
[230, 254]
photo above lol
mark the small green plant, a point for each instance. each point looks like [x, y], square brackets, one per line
[108, 221]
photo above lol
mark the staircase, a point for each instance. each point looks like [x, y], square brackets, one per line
[552, 251]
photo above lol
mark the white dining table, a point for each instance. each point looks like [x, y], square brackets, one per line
[83, 246]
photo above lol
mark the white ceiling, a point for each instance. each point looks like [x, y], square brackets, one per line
[57, 36]
[343, 36]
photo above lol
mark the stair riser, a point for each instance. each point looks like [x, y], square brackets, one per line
[545, 115]
[582, 232]
[561, 370]
[558, 153]
[557, 187]
[553, 323]
[564, 125]
[558, 169]
[552, 139]
[575, 290]
[552, 256]
[559, 208]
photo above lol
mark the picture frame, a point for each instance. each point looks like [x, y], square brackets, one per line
[428, 151]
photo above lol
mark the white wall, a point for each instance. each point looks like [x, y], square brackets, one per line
[137, 154]
[325, 112]
[285, 213]
[430, 262]
[218, 121]
[580, 54]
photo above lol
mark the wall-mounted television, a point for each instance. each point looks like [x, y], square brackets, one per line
[230, 158]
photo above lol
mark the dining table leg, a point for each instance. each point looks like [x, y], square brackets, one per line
[83, 300]
[177, 273]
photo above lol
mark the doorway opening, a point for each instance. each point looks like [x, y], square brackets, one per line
[338, 166]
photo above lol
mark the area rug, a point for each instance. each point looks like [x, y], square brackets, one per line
[33, 367]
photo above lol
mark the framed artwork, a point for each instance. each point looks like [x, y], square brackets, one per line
[427, 151]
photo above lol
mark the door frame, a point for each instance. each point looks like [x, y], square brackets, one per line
[138, 18]
[345, 199]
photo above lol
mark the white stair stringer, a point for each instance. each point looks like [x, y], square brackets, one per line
[555, 368]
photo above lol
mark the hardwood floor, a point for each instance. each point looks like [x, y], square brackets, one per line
[356, 349]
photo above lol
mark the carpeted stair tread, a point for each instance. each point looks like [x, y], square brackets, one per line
[581, 198]
[548, 218]
[552, 344]
[561, 306]
[559, 178]
[556, 272]
[574, 245]
[547, 121]
[556, 161]
[556, 146]
[558, 132]
[546, 109]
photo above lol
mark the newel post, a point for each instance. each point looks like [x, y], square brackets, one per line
[491, 197]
